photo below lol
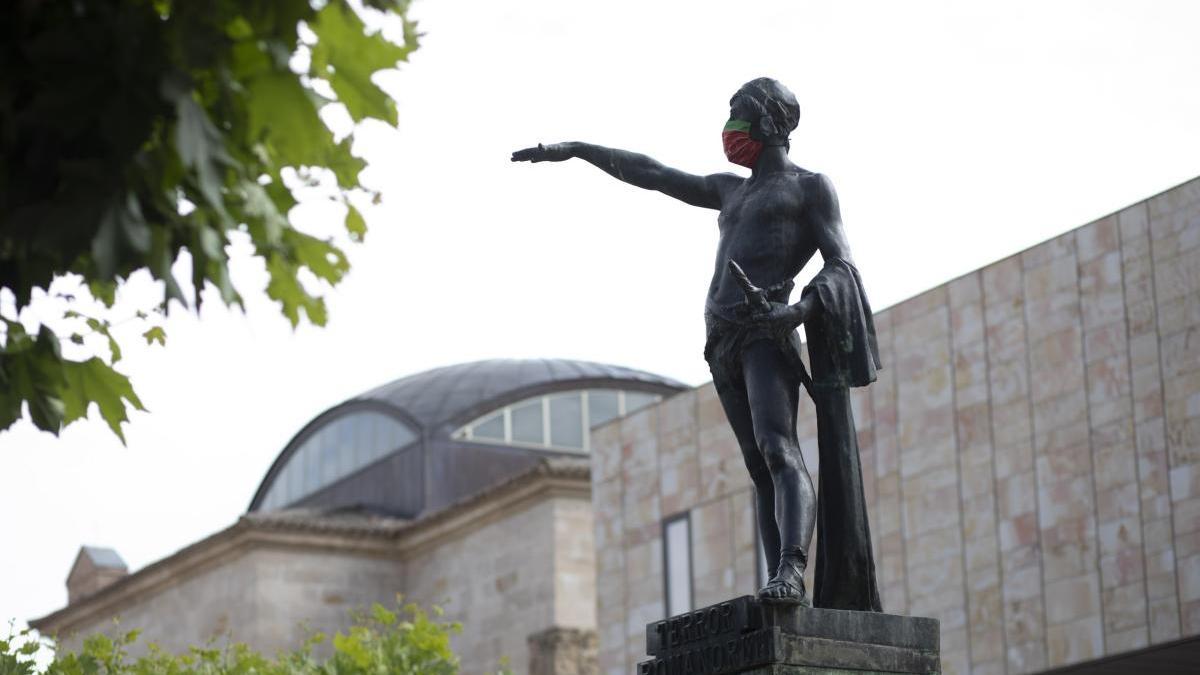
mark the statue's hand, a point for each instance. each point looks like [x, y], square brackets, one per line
[555, 152]
[780, 318]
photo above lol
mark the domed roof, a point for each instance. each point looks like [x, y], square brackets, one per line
[417, 444]
[442, 397]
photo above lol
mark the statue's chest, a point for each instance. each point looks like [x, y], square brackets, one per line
[762, 214]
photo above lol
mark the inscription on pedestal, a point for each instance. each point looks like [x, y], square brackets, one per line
[746, 634]
[703, 625]
[725, 654]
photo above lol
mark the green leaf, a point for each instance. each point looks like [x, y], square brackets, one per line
[324, 259]
[33, 374]
[103, 291]
[94, 381]
[102, 327]
[347, 57]
[200, 146]
[286, 289]
[283, 115]
[355, 224]
[266, 223]
[156, 334]
[382, 614]
[344, 164]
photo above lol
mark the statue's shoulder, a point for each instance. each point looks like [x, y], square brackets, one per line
[816, 184]
[726, 179]
[804, 175]
[724, 183]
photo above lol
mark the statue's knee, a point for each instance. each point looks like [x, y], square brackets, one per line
[779, 454]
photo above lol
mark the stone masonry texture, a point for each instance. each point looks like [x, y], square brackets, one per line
[1031, 455]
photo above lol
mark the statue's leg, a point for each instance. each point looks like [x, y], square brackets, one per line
[737, 410]
[773, 391]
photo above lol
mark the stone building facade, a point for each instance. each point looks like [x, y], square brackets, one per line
[466, 487]
[1031, 455]
[270, 579]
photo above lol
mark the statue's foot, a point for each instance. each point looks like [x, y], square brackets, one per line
[787, 586]
[785, 592]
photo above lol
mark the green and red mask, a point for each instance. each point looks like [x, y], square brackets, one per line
[739, 147]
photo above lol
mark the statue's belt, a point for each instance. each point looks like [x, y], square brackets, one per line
[740, 312]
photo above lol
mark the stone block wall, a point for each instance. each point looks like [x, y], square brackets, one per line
[1031, 455]
[525, 572]
[270, 598]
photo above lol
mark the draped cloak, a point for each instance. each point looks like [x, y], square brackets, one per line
[843, 352]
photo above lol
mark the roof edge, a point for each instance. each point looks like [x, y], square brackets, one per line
[380, 536]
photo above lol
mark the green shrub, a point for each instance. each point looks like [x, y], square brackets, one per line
[382, 642]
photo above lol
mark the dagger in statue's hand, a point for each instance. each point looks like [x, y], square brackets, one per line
[756, 297]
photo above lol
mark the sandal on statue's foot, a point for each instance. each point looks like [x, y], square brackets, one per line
[787, 586]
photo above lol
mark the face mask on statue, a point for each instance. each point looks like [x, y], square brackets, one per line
[739, 147]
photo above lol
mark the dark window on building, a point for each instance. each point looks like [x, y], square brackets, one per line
[558, 421]
[603, 405]
[340, 447]
[677, 564]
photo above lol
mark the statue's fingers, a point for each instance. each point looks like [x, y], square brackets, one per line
[525, 155]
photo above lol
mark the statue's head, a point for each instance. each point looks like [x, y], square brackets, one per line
[770, 108]
[762, 112]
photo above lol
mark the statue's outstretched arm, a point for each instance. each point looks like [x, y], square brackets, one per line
[636, 169]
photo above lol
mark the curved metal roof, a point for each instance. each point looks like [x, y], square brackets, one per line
[456, 394]
[436, 469]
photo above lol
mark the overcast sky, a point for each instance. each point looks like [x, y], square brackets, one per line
[956, 134]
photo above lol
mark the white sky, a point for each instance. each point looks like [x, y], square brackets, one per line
[956, 134]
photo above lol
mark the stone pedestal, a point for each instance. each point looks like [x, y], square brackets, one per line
[746, 635]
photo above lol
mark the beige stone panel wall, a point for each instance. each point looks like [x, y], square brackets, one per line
[608, 502]
[318, 589]
[885, 519]
[1111, 430]
[1016, 484]
[574, 564]
[928, 470]
[642, 529]
[976, 476]
[1062, 449]
[1175, 249]
[1158, 544]
[678, 457]
[489, 580]
[261, 597]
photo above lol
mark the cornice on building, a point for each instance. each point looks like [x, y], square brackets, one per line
[358, 534]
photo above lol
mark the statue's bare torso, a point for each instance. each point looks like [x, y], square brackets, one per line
[772, 225]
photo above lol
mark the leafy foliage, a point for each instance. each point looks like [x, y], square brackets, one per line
[132, 131]
[403, 642]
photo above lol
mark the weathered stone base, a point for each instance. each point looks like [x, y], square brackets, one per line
[810, 670]
[563, 651]
[748, 637]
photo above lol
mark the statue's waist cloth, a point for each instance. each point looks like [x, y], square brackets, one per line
[843, 352]
[842, 347]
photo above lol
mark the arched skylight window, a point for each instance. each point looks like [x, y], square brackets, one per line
[336, 450]
[557, 421]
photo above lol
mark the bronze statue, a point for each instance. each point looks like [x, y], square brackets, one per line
[771, 224]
